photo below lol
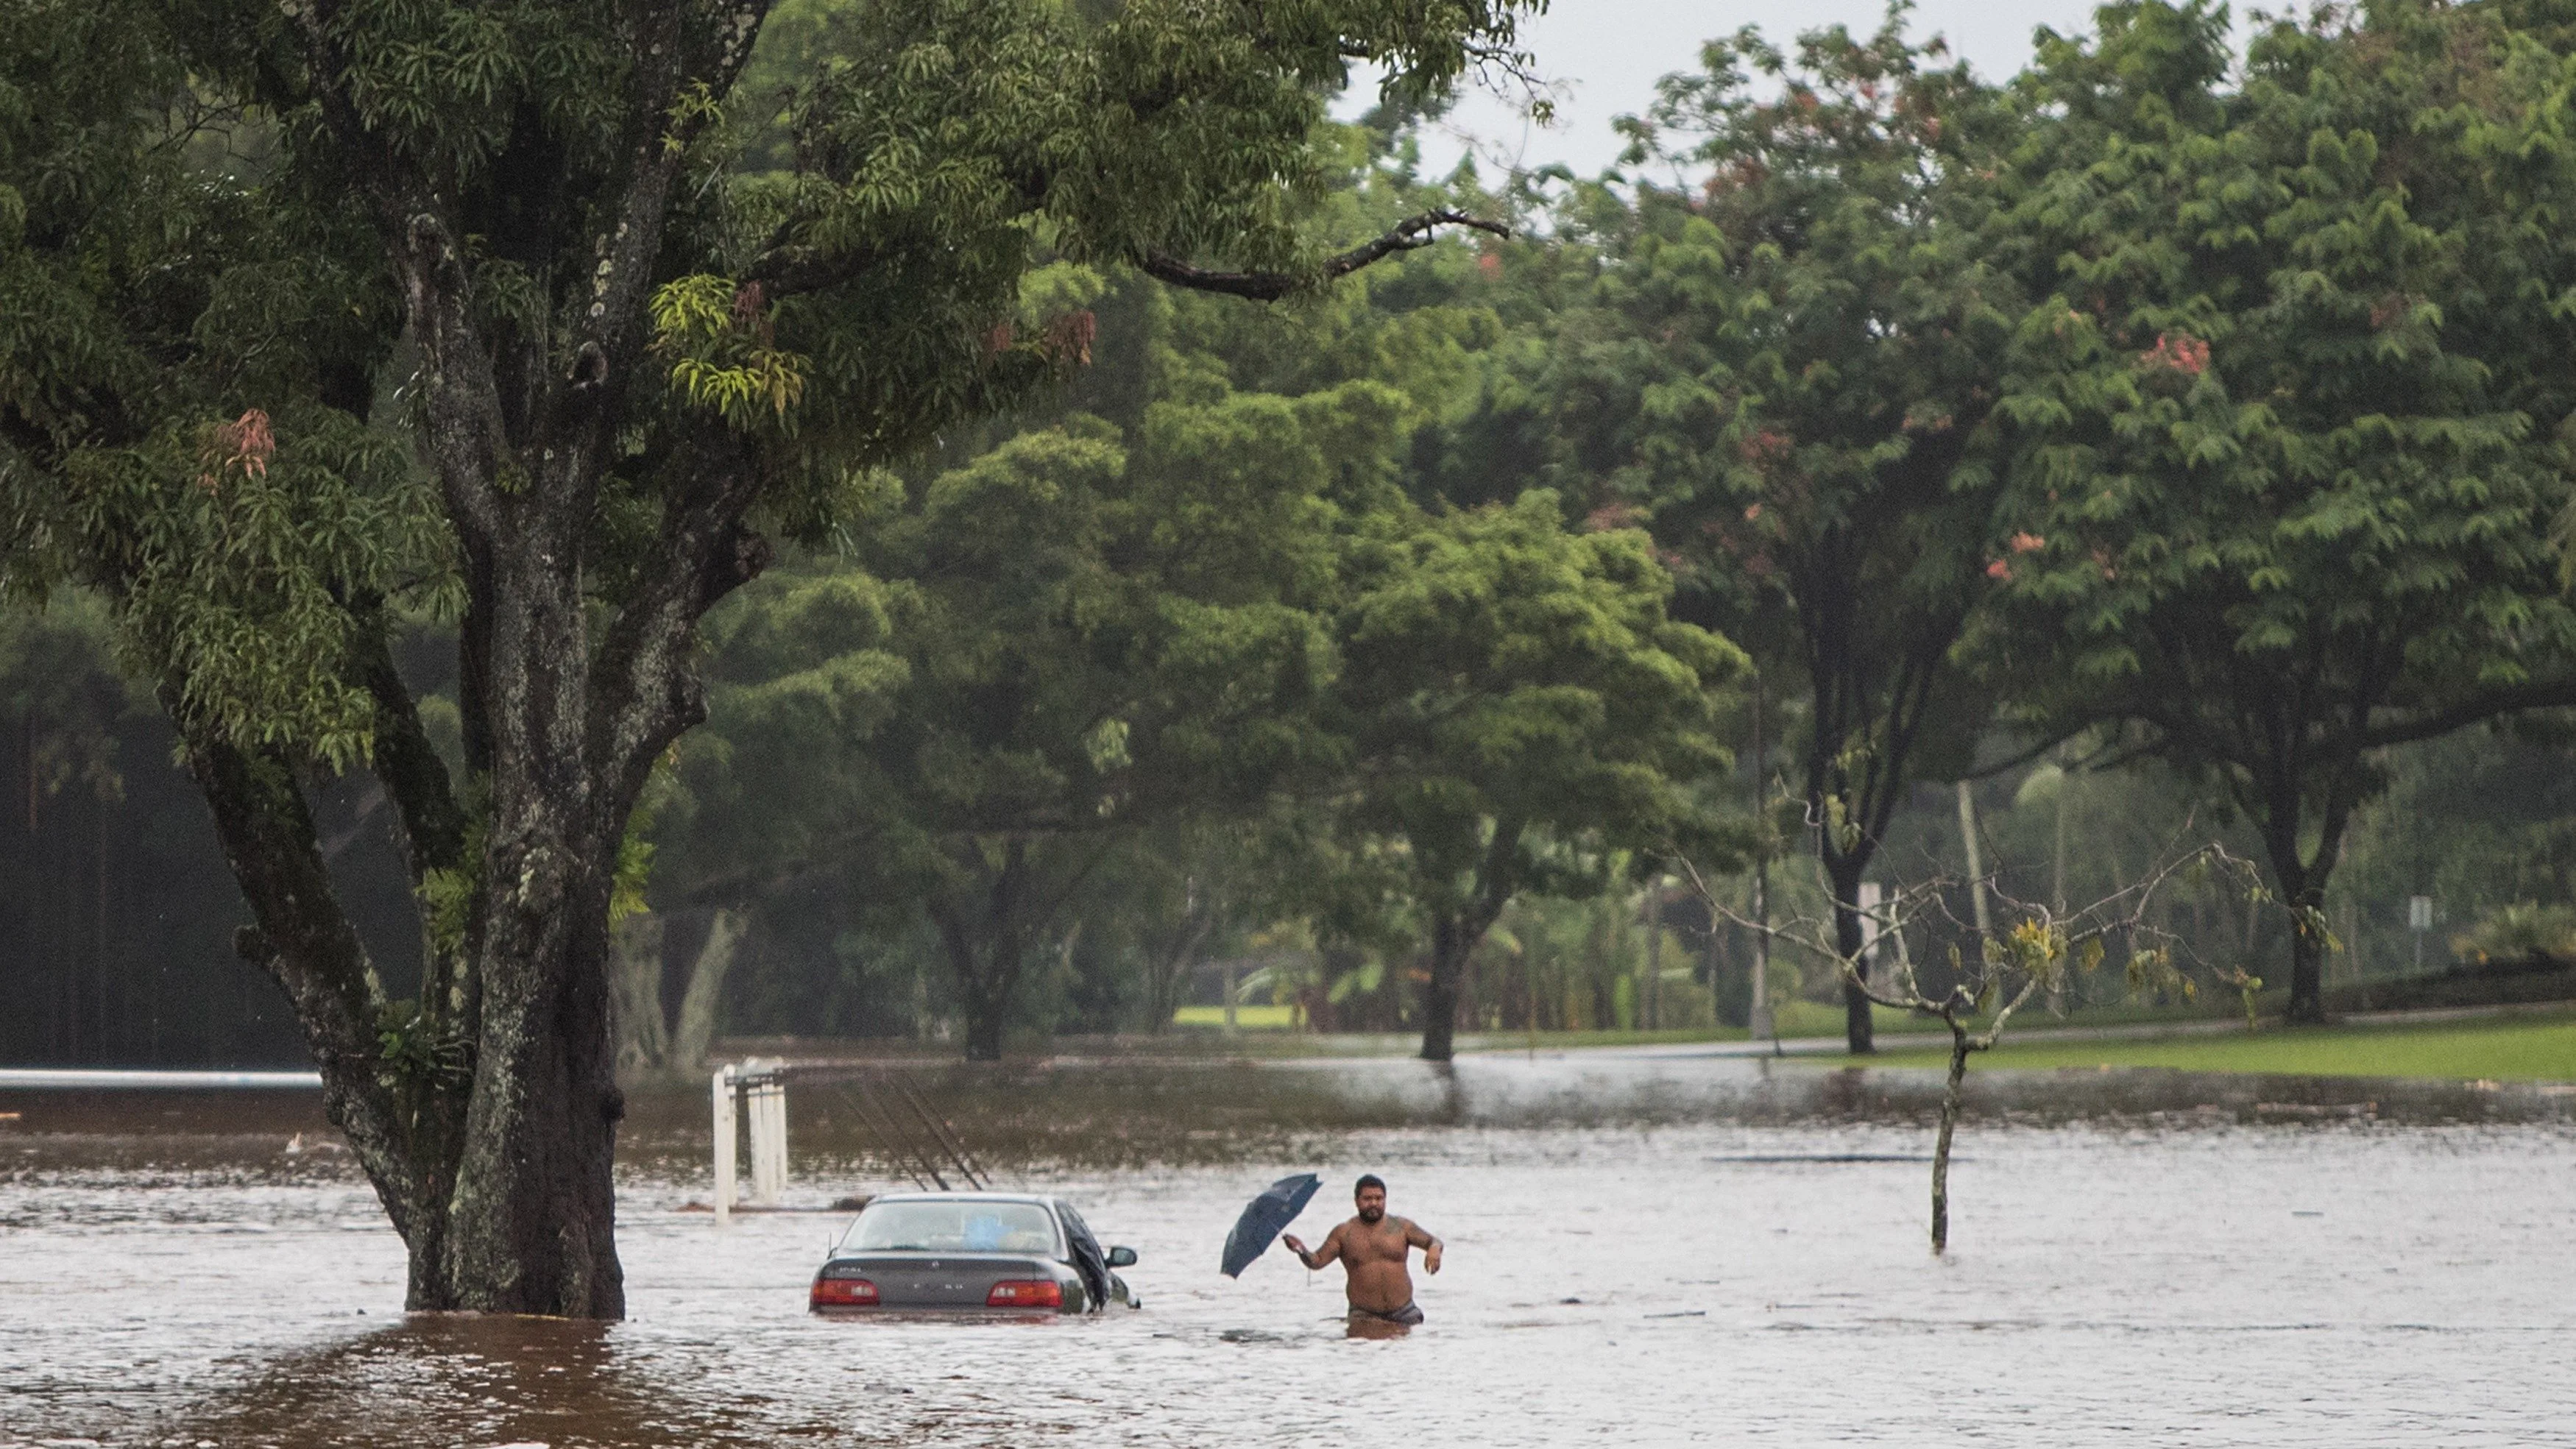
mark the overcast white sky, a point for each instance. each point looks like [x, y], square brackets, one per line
[1605, 56]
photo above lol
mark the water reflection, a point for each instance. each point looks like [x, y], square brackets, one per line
[448, 1378]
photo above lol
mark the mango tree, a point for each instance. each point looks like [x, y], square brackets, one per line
[318, 310]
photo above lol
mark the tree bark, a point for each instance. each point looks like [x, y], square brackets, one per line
[987, 972]
[2302, 890]
[1169, 970]
[1451, 940]
[488, 1134]
[1844, 872]
[1456, 932]
[2301, 880]
[696, 1029]
[1941, 1143]
[642, 1028]
[652, 1042]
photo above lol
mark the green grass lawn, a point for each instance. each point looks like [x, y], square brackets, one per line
[1797, 1018]
[2508, 1049]
[1249, 1018]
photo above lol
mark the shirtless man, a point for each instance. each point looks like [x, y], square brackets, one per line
[1372, 1248]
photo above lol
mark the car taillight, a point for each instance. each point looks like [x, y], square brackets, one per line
[1026, 1293]
[842, 1293]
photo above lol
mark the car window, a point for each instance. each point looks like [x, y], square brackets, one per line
[952, 1227]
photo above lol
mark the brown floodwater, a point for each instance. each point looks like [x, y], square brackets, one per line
[1643, 1249]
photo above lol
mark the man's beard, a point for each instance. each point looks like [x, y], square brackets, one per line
[1372, 1215]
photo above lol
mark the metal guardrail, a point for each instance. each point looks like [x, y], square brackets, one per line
[121, 1079]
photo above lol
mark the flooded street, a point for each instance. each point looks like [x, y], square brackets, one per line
[1642, 1250]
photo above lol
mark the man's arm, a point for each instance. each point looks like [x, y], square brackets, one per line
[1332, 1249]
[1416, 1236]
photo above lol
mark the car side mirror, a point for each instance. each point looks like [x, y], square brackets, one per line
[1122, 1257]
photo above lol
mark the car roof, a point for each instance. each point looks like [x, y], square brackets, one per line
[1027, 1197]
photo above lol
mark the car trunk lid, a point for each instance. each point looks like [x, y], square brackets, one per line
[937, 1280]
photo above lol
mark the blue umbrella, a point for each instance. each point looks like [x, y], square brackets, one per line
[1264, 1217]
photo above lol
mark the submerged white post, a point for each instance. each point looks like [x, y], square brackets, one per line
[724, 1116]
[767, 1099]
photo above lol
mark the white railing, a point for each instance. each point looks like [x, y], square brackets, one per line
[118, 1079]
[753, 1094]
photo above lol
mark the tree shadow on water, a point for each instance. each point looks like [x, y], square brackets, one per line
[470, 1379]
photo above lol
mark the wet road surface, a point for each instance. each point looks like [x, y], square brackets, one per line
[1660, 1252]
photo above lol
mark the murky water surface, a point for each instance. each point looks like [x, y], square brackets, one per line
[1642, 1250]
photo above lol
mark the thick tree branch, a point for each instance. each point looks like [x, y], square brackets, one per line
[788, 270]
[304, 941]
[1411, 234]
[468, 428]
[2546, 694]
[414, 777]
[646, 691]
[660, 129]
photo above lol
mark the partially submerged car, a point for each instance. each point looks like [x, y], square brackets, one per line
[970, 1251]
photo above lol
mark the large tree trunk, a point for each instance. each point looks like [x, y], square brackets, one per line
[533, 1216]
[983, 926]
[1456, 932]
[986, 964]
[486, 1111]
[696, 1028]
[485, 1114]
[650, 1041]
[1451, 940]
[1844, 872]
[642, 1027]
[1168, 972]
[2301, 878]
[2303, 889]
[988, 1019]
[987, 971]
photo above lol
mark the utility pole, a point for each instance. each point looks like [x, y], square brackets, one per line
[2057, 872]
[1650, 1000]
[2057, 848]
[1976, 864]
[1758, 1021]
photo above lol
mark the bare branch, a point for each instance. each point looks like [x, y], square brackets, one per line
[2058, 940]
[308, 946]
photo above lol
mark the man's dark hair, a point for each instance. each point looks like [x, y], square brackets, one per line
[1369, 1180]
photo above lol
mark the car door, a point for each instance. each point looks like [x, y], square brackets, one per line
[1088, 1259]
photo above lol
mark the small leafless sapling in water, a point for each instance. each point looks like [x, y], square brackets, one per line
[2031, 950]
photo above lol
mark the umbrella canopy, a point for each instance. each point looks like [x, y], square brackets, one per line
[1264, 1217]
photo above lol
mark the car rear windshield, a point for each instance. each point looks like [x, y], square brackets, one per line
[953, 1227]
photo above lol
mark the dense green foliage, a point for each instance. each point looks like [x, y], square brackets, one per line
[2190, 438]
[2288, 429]
[323, 314]
[1783, 369]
